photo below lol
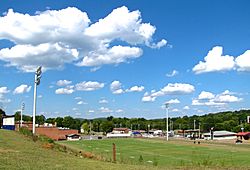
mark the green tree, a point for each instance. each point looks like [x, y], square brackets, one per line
[110, 118]
[27, 118]
[85, 127]
[76, 124]
[59, 122]
[67, 121]
[107, 126]
[2, 114]
[96, 125]
[17, 116]
[50, 120]
[40, 119]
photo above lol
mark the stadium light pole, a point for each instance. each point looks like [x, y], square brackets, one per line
[167, 106]
[37, 82]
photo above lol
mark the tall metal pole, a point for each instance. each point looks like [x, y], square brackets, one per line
[22, 108]
[37, 82]
[194, 123]
[34, 108]
[199, 130]
[167, 105]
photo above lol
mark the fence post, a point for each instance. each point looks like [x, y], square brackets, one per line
[114, 152]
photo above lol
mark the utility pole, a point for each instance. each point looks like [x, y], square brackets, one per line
[37, 82]
[167, 106]
[194, 123]
[199, 129]
[170, 124]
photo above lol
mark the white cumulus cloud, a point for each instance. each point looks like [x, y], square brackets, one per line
[114, 55]
[205, 95]
[105, 110]
[119, 111]
[135, 89]
[173, 101]
[178, 88]
[209, 99]
[172, 74]
[22, 89]
[28, 57]
[52, 38]
[81, 102]
[103, 101]
[89, 86]
[227, 98]
[169, 89]
[66, 90]
[63, 82]
[4, 90]
[148, 98]
[215, 61]
[175, 110]
[116, 87]
[243, 61]
[78, 98]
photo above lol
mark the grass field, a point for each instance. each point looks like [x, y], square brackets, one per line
[20, 152]
[172, 154]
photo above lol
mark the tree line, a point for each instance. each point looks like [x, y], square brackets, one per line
[229, 120]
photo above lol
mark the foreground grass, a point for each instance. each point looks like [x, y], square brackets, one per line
[172, 154]
[20, 152]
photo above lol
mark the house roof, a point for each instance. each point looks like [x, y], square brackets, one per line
[71, 135]
[120, 129]
[243, 133]
[7, 116]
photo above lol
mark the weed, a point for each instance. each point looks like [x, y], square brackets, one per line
[155, 162]
[140, 158]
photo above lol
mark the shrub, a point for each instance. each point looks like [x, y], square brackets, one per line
[25, 131]
[34, 138]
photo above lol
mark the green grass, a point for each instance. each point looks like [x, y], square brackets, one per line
[173, 154]
[20, 152]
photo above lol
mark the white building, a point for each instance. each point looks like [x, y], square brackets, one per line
[220, 135]
[73, 137]
[120, 133]
[9, 122]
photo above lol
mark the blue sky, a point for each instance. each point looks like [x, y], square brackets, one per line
[125, 58]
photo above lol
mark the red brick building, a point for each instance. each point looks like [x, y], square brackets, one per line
[53, 132]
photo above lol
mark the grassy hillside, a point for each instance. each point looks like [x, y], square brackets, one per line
[20, 152]
[172, 154]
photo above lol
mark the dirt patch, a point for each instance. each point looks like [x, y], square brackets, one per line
[48, 146]
[88, 155]
[7, 150]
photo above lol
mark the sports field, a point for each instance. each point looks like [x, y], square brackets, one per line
[174, 153]
[20, 152]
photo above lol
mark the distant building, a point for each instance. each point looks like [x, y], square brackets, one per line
[220, 135]
[120, 133]
[120, 130]
[49, 130]
[9, 122]
[73, 137]
[245, 135]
